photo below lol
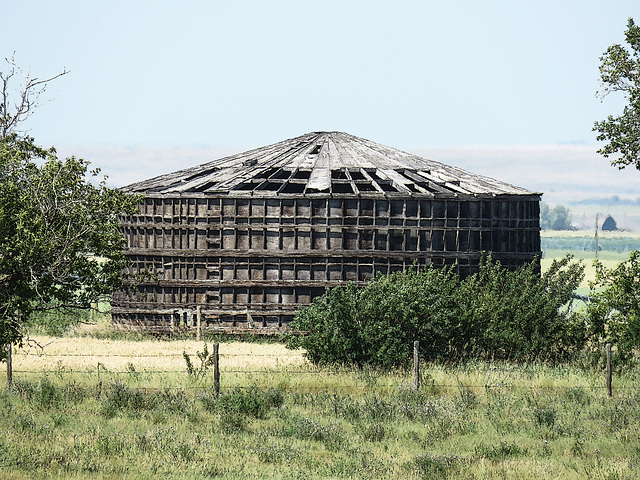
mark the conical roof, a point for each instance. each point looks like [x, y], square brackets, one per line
[325, 163]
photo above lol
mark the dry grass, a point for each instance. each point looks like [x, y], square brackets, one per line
[84, 353]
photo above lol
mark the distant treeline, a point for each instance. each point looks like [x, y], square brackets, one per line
[556, 218]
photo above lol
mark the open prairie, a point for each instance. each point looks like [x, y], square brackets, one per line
[94, 408]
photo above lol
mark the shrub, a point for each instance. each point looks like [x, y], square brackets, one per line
[294, 425]
[250, 401]
[241, 404]
[500, 452]
[330, 331]
[435, 466]
[206, 360]
[614, 312]
[119, 397]
[518, 314]
[377, 325]
[496, 313]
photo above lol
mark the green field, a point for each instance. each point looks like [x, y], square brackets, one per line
[614, 247]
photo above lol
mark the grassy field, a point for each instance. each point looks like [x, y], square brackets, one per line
[97, 404]
[279, 417]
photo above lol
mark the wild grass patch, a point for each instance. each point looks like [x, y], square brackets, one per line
[478, 420]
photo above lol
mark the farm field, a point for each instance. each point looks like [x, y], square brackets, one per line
[95, 408]
[614, 248]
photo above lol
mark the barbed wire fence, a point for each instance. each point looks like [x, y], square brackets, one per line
[226, 375]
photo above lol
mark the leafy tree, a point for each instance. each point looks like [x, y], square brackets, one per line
[59, 241]
[556, 218]
[614, 311]
[60, 247]
[620, 72]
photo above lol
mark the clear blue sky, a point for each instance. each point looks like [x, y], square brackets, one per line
[225, 76]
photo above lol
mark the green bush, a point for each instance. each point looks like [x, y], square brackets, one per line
[519, 315]
[496, 313]
[614, 310]
[251, 401]
[377, 325]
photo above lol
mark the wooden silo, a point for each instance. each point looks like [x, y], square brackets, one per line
[244, 241]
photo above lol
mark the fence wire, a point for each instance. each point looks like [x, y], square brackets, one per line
[101, 374]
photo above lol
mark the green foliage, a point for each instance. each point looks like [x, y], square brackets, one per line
[57, 322]
[556, 218]
[251, 401]
[241, 404]
[60, 247]
[119, 397]
[206, 361]
[502, 451]
[496, 313]
[620, 71]
[377, 324]
[435, 466]
[518, 315]
[614, 311]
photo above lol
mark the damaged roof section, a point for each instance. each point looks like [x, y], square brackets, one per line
[328, 163]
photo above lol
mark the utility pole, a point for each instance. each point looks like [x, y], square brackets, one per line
[596, 236]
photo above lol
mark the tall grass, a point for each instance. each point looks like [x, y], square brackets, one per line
[113, 406]
[478, 420]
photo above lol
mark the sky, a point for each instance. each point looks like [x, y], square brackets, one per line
[499, 87]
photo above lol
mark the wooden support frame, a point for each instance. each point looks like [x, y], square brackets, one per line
[249, 262]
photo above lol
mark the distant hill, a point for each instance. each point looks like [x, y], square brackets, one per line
[607, 201]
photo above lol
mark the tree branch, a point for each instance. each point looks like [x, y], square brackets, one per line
[27, 101]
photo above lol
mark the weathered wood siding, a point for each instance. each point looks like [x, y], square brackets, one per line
[251, 262]
[251, 238]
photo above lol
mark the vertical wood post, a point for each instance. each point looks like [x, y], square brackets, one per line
[416, 365]
[199, 322]
[93, 311]
[9, 366]
[216, 368]
[609, 393]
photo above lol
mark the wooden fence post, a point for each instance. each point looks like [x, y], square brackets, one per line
[609, 393]
[93, 310]
[199, 321]
[416, 365]
[9, 366]
[216, 368]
